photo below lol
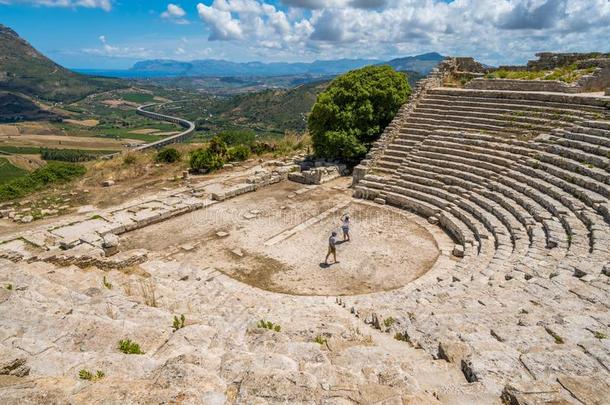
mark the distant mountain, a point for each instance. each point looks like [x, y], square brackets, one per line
[222, 68]
[422, 64]
[25, 70]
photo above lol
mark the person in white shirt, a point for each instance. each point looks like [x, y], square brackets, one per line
[345, 227]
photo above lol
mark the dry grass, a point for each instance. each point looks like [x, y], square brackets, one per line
[148, 289]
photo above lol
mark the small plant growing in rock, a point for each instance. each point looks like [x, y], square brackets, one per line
[129, 347]
[600, 335]
[179, 322]
[321, 340]
[389, 322]
[403, 337]
[269, 325]
[106, 283]
[9, 286]
[89, 376]
[558, 339]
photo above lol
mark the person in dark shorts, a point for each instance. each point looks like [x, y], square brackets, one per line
[332, 248]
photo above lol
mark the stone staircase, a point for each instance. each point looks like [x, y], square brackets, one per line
[521, 182]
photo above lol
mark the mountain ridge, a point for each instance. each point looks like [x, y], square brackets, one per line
[422, 64]
[25, 70]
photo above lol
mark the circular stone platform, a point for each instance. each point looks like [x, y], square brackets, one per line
[282, 248]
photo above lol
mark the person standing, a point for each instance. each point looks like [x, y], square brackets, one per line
[345, 227]
[332, 248]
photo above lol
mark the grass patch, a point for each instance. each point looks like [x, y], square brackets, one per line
[566, 74]
[89, 376]
[52, 173]
[9, 171]
[558, 339]
[129, 347]
[600, 335]
[389, 322]
[321, 340]
[269, 325]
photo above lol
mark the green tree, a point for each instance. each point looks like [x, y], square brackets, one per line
[353, 111]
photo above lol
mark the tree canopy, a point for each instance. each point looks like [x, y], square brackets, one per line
[353, 111]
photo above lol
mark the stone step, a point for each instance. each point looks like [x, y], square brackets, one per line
[584, 137]
[599, 160]
[488, 124]
[532, 106]
[504, 116]
[514, 110]
[430, 125]
[562, 98]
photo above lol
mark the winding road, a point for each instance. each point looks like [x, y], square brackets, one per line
[181, 137]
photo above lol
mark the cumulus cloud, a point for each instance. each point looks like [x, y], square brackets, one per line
[103, 4]
[175, 14]
[534, 15]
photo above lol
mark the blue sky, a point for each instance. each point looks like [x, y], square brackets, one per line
[116, 33]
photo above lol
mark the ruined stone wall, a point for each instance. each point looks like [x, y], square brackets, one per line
[597, 81]
[550, 60]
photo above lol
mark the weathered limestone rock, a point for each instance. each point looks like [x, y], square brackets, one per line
[110, 244]
[107, 183]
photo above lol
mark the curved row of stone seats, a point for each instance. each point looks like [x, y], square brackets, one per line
[520, 231]
[551, 190]
[503, 113]
[531, 313]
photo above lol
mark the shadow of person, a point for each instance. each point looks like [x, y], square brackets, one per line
[340, 242]
[325, 265]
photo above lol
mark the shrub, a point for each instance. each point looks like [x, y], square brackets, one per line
[389, 322]
[51, 173]
[204, 159]
[262, 147]
[234, 138]
[128, 347]
[129, 159]
[179, 322]
[238, 153]
[168, 155]
[353, 111]
[106, 283]
[218, 147]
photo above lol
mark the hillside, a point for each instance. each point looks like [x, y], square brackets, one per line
[275, 110]
[16, 107]
[25, 70]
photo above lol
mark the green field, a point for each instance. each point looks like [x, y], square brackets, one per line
[8, 171]
[140, 98]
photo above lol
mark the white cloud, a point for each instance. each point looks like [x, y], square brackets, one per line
[175, 14]
[495, 31]
[112, 51]
[105, 5]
